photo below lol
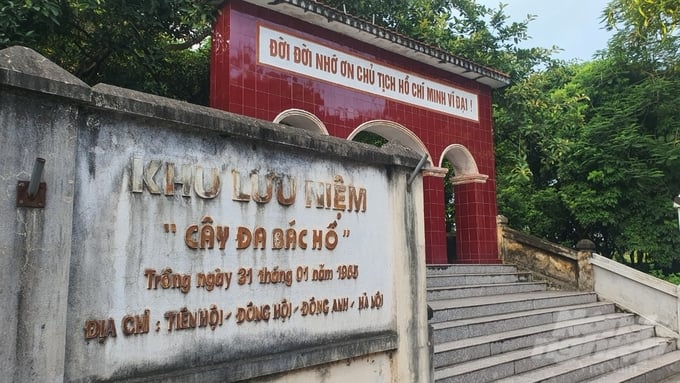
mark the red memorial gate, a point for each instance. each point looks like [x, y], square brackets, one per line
[304, 64]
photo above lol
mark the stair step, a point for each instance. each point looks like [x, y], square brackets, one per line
[469, 269]
[529, 361]
[456, 279]
[484, 346]
[671, 379]
[580, 369]
[436, 293]
[492, 323]
[664, 367]
[452, 309]
[472, 327]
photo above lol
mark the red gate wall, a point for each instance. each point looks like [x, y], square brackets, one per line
[240, 85]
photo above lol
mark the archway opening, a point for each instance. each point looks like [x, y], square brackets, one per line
[381, 132]
[462, 170]
[463, 165]
[302, 119]
[370, 138]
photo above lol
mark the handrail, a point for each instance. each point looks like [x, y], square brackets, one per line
[655, 300]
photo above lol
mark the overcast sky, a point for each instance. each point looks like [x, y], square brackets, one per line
[573, 25]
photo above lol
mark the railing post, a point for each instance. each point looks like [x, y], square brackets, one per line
[501, 224]
[677, 324]
[584, 276]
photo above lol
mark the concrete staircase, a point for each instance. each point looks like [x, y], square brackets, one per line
[494, 324]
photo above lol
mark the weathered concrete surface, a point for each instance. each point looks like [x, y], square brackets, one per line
[555, 264]
[369, 368]
[24, 68]
[85, 257]
[560, 266]
[586, 277]
[35, 244]
[226, 125]
[654, 299]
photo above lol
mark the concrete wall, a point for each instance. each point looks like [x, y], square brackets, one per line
[179, 243]
[555, 264]
[560, 266]
[656, 300]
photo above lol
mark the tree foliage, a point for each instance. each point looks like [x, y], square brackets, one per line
[646, 18]
[157, 46]
[463, 27]
[593, 151]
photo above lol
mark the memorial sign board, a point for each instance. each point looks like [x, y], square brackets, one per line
[184, 243]
[289, 52]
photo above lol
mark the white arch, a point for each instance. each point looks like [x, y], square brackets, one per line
[464, 166]
[394, 132]
[301, 119]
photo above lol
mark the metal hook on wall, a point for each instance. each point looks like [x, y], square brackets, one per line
[415, 172]
[33, 193]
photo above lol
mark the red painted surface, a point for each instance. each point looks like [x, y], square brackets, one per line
[240, 85]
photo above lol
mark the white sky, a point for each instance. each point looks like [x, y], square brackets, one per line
[573, 25]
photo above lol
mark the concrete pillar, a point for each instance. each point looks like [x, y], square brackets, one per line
[501, 225]
[38, 118]
[585, 249]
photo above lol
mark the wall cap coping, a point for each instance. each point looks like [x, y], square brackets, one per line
[23, 68]
[586, 245]
[540, 243]
[227, 124]
[634, 275]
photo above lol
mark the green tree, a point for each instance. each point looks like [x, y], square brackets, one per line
[591, 151]
[157, 46]
[644, 18]
[625, 166]
[21, 22]
[536, 120]
[583, 150]
[463, 27]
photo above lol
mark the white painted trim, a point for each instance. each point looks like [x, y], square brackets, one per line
[302, 119]
[653, 299]
[435, 172]
[464, 166]
[635, 275]
[354, 27]
[469, 179]
[396, 133]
